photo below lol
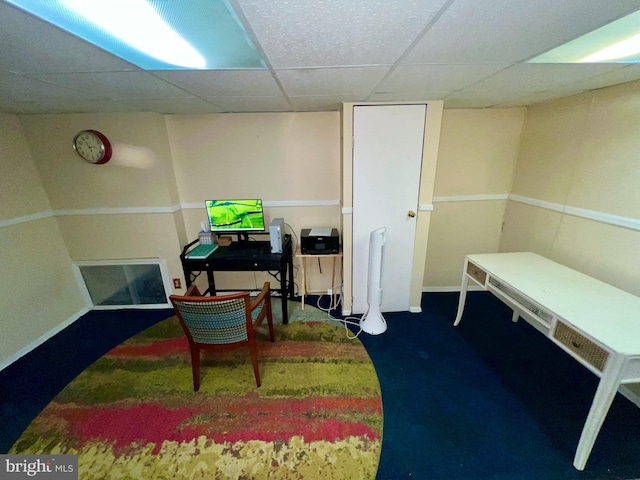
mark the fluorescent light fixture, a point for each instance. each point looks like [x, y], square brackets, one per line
[620, 50]
[139, 25]
[156, 34]
[617, 42]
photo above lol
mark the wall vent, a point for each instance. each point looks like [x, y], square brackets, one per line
[113, 284]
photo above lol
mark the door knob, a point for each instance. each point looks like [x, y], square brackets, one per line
[411, 213]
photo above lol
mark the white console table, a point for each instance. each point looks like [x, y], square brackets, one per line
[595, 323]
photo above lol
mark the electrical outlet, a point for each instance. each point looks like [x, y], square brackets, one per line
[177, 283]
[330, 291]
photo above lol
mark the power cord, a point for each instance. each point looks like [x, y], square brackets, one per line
[333, 306]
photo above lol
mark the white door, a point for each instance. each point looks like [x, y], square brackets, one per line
[387, 159]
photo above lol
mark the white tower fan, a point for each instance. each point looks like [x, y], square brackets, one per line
[372, 321]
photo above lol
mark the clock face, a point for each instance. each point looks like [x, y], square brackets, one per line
[92, 146]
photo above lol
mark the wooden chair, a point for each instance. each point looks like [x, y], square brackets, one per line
[224, 321]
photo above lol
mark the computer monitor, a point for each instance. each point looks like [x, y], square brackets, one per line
[235, 216]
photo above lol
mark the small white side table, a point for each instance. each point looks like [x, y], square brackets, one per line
[304, 290]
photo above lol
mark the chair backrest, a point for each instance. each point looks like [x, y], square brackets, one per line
[214, 320]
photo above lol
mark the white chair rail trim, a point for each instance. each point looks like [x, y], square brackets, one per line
[152, 210]
[471, 198]
[595, 215]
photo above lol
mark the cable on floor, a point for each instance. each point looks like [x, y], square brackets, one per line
[345, 321]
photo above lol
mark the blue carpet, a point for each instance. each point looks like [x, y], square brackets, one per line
[30, 383]
[489, 399]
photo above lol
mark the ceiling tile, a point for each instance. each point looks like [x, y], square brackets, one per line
[251, 104]
[536, 77]
[424, 78]
[169, 106]
[499, 31]
[408, 96]
[539, 97]
[23, 89]
[327, 33]
[116, 85]
[476, 100]
[313, 103]
[211, 83]
[76, 106]
[331, 81]
[623, 74]
[16, 107]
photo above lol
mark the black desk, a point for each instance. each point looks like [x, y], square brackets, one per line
[244, 256]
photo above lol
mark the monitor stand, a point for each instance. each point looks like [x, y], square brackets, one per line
[243, 237]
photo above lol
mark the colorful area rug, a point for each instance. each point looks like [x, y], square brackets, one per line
[133, 414]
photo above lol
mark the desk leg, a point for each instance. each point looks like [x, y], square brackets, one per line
[283, 295]
[292, 293]
[303, 287]
[187, 276]
[333, 283]
[212, 283]
[463, 296]
[607, 388]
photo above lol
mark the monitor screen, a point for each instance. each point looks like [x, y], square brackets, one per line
[235, 215]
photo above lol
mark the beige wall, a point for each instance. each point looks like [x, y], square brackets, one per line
[279, 156]
[575, 196]
[289, 160]
[476, 161]
[148, 201]
[124, 209]
[140, 173]
[38, 292]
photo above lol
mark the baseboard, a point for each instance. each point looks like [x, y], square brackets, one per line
[472, 288]
[43, 338]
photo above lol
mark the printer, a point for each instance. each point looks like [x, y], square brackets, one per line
[319, 241]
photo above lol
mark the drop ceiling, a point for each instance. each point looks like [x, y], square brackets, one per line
[320, 53]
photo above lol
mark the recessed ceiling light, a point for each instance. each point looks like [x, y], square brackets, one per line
[617, 42]
[156, 34]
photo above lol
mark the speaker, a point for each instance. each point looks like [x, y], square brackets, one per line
[276, 233]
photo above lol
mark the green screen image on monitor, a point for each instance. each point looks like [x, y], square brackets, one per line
[235, 215]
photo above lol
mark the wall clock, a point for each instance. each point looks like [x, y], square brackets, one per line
[92, 146]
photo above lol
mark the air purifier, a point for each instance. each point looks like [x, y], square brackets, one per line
[372, 321]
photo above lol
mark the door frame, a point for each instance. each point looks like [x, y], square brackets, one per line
[433, 125]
